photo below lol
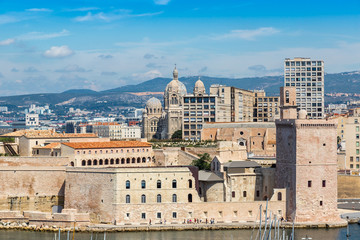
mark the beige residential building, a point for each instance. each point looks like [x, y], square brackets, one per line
[308, 77]
[233, 104]
[114, 130]
[28, 139]
[352, 141]
[266, 108]
[199, 108]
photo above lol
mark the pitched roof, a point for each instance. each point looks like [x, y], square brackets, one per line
[111, 144]
[49, 146]
[242, 164]
[48, 134]
[207, 176]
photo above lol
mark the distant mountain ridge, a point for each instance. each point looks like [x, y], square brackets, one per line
[346, 82]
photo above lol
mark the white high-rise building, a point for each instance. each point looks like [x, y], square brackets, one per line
[308, 77]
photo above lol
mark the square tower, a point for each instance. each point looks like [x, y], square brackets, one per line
[308, 77]
[306, 165]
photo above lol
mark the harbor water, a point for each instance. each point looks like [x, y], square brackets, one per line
[327, 234]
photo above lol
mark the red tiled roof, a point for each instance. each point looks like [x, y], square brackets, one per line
[111, 144]
[48, 134]
[49, 146]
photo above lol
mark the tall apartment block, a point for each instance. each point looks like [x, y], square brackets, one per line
[308, 77]
[199, 107]
[266, 108]
[233, 104]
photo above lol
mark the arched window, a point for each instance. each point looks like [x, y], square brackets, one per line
[143, 184]
[174, 198]
[148, 159]
[174, 184]
[83, 163]
[158, 184]
[95, 162]
[100, 162]
[190, 198]
[89, 163]
[72, 164]
[106, 161]
[190, 183]
[128, 160]
[158, 198]
[117, 161]
[111, 161]
[143, 198]
[133, 160]
[127, 199]
[144, 160]
[244, 193]
[138, 160]
[279, 196]
[127, 184]
[123, 161]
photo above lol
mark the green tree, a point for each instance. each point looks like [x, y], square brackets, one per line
[177, 135]
[203, 163]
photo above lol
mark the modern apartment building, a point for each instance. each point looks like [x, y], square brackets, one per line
[308, 77]
[114, 130]
[233, 104]
[352, 139]
[199, 108]
[266, 108]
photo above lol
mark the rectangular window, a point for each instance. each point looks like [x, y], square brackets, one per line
[174, 214]
[143, 215]
[309, 183]
[321, 203]
[351, 159]
[357, 151]
[324, 183]
[233, 194]
[158, 215]
[351, 165]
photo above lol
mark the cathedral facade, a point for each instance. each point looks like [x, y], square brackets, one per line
[161, 122]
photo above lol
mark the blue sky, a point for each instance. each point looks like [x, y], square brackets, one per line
[52, 46]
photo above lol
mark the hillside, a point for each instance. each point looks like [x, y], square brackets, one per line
[348, 82]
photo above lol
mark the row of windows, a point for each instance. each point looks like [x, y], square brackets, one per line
[158, 184]
[158, 198]
[199, 99]
[114, 161]
[112, 151]
[303, 63]
[193, 126]
[200, 119]
[323, 183]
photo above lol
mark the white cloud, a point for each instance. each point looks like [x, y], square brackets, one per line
[72, 68]
[116, 15]
[39, 10]
[42, 36]
[161, 2]
[91, 17]
[147, 75]
[248, 34]
[7, 42]
[58, 52]
[83, 9]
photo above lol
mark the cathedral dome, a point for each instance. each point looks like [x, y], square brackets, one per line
[175, 86]
[199, 87]
[153, 103]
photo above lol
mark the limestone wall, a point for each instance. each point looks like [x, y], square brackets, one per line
[31, 188]
[222, 212]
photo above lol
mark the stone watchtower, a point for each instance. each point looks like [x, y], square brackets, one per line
[306, 163]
